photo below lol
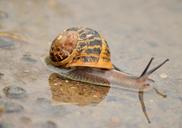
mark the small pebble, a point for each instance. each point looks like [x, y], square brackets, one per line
[25, 119]
[47, 124]
[11, 107]
[50, 124]
[3, 14]
[26, 71]
[43, 106]
[1, 74]
[28, 58]
[180, 98]
[163, 75]
[42, 100]
[6, 43]
[14, 92]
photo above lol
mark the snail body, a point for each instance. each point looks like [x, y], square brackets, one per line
[82, 54]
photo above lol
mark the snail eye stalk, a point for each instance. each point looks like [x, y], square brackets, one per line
[157, 67]
[147, 67]
[147, 73]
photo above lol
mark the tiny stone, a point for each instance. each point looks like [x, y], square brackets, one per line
[25, 119]
[163, 75]
[14, 92]
[28, 58]
[1, 74]
[3, 14]
[50, 124]
[10, 107]
[26, 71]
[47, 124]
[41, 100]
[6, 43]
[180, 98]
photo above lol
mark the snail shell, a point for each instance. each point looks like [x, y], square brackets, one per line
[80, 47]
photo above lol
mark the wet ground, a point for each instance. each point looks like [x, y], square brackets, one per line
[135, 30]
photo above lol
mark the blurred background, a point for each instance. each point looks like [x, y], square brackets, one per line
[136, 30]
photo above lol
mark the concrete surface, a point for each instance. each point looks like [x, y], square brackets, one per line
[136, 30]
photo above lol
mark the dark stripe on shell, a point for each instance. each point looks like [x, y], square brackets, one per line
[82, 44]
[107, 52]
[88, 33]
[76, 58]
[83, 36]
[81, 32]
[96, 51]
[89, 59]
[92, 32]
[95, 42]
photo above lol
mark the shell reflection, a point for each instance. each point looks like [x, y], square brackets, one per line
[70, 91]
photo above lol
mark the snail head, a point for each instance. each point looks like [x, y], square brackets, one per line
[144, 77]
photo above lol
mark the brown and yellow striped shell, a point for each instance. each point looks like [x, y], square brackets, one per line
[80, 47]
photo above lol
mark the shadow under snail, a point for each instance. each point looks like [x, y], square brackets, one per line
[82, 54]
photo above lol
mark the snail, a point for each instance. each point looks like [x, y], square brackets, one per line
[85, 56]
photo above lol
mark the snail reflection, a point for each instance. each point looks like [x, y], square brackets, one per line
[82, 54]
[70, 91]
